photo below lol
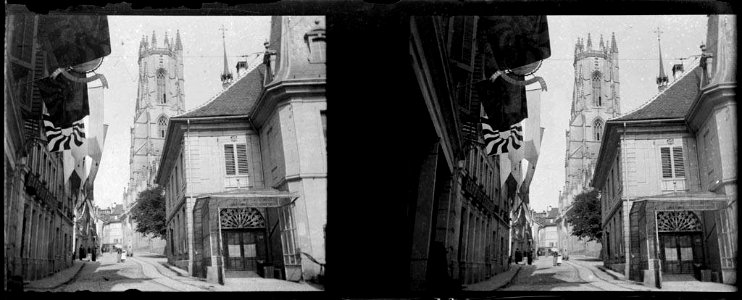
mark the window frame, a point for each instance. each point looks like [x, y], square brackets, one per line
[673, 162]
[236, 160]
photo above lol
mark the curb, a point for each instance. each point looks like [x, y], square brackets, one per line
[174, 269]
[82, 265]
[607, 271]
[509, 281]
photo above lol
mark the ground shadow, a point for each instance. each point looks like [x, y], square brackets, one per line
[530, 280]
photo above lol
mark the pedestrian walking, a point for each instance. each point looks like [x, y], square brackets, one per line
[123, 255]
[555, 254]
[118, 255]
[518, 256]
[530, 257]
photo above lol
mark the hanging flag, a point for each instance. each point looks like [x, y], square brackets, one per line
[74, 39]
[68, 163]
[510, 42]
[532, 126]
[66, 101]
[95, 123]
[60, 139]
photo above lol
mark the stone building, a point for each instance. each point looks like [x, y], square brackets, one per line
[161, 95]
[245, 174]
[595, 99]
[666, 173]
[45, 200]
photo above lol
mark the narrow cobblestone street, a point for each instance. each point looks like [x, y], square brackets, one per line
[576, 274]
[107, 274]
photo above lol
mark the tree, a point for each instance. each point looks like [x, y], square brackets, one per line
[584, 217]
[149, 212]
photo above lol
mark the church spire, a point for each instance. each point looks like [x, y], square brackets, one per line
[614, 48]
[589, 42]
[662, 78]
[178, 45]
[602, 45]
[154, 40]
[226, 75]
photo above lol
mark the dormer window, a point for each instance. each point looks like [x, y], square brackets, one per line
[315, 40]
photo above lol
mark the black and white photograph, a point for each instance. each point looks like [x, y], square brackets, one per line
[479, 150]
[165, 153]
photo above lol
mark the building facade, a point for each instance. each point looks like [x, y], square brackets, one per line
[665, 209]
[595, 99]
[261, 208]
[45, 200]
[161, 95]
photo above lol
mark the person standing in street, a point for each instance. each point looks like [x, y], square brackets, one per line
[518, 256]
[555, 254]
[530, 257]
[118, 254]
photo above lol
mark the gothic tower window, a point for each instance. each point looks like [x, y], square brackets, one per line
[596, 89]
[161, 98]
[598, 125]
[162, 125]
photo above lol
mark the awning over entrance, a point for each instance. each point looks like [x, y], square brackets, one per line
[265, 197]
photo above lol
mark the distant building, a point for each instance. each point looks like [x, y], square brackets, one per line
[667, 173]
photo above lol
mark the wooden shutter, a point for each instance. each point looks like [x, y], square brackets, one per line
[229, 159]
[677, 157]
[666, 162]
[242, 159]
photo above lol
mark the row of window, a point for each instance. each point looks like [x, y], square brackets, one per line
[486, 174]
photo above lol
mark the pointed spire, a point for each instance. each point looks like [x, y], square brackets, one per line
[154, 40]
[614, 48]
[602, 45]
[589, 42]
[178, 45]
[167, 41]
[226, 75]
[662, 78]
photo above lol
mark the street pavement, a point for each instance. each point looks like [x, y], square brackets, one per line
[148, 272]
[582, 273]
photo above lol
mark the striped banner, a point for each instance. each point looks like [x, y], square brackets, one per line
[499, 142]
[60, 139]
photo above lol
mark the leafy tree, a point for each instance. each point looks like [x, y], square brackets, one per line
[584, 217]
[149, 212]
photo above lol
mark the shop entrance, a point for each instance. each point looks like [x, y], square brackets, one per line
[244, 246]
[244, 249]
[680, 241]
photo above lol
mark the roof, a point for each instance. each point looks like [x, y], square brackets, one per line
[238, 99]
[672, 103]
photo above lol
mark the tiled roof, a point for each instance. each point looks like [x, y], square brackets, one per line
[673, 102]
[236, 100]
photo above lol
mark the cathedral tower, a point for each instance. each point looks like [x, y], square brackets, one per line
[595, 99]
[160, 96]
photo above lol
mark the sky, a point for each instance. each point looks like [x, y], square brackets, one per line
[203, 63]
[638, 68]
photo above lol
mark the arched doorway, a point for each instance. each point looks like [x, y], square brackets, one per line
[681, 241]
[243, 241]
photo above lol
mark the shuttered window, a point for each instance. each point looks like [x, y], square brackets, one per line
[235, 162]
[242, 158]
[229, 158]
[672, 162]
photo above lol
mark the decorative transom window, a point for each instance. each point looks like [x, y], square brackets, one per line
[672, 162]
[598, 129]
[668, 221]
[241, 217]
[161, 98]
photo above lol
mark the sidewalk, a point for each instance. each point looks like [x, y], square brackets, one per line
[57, 279]
[495, 282]
[230, 284]
[688, 285]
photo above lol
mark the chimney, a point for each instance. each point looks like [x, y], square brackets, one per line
[677, 71]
